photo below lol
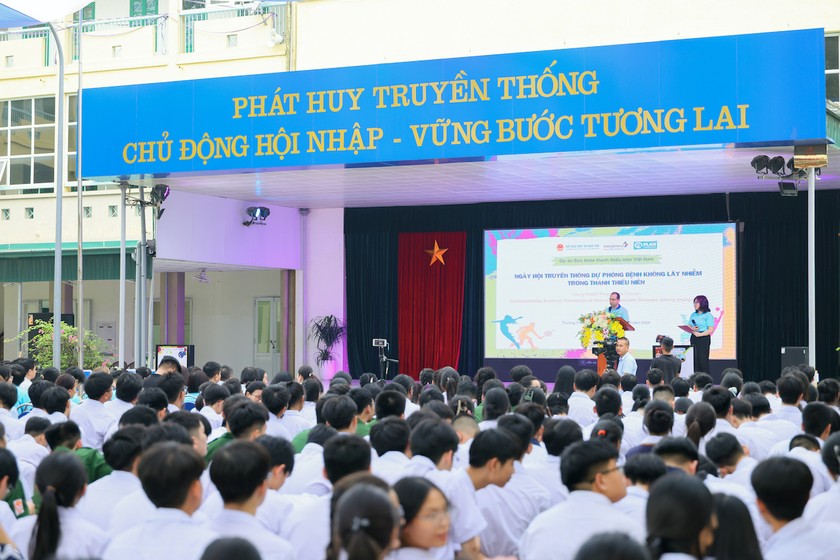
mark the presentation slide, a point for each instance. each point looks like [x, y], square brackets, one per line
[539, 283]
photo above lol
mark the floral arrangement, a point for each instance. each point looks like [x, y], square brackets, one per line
[41, 346]
[598, 325]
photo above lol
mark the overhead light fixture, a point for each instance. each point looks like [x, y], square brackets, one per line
[257, 215]
[760, 164]
[159, 194]
[202, 276]
[777, 165]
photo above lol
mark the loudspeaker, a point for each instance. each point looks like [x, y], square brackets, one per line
[794, 355]
[787, 188]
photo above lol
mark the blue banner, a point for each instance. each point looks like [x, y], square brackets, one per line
[720, 90]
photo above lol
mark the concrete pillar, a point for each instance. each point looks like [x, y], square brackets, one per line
[173, 300]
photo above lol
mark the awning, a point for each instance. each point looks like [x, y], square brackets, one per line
[34, 262]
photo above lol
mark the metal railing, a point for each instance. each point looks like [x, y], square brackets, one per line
[41, 33]
[274, 13]
[122, 26]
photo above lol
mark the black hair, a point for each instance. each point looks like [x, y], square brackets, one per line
[55, 399]
[679, 507]
[5, 372]
[139, 415]
[735, 536]
[190, 421]
[760, 404]
[628, 381]
[497, 444]
[390, 434]
[644, 468]
[245, 418]
[368, 540]
[680, 387]
[681, 449]
[783, 485]
[154, 398]
[8, 395]
[225, 548]
[806, 441]
[18, 373]
[607, 399]
[560, 434]
[124, 447]
[585, 380]
[564, 381]
[60, 478]
[515, 392]
[412, 492]
[742, 409]
[36, 390]
[719, 398]
[361, 397]
[816, 418]
[612, 546]
[366, 379]
[63, 434]
[195, 380]
[580, 461]
[518, 372]
[275, 398]
[521, 428]
[462, 405]
[319, 406]
[233, 386]
[682, 404]
[296, 392]
[610, 429]
[174, 433]
[659, 418]
[533, 412]
[97, 384]
[496, 404]
[660, 389]
[9, 467]
[280, 452]
[405, 382]
[339, 412]
[440, 409]
[612, 378]
[50, 374]
[829, 390]
[430, 393]
[345, 455]
[700, 420]
[790, 389]
[36, 426]
[321, 434]
[129, 386]
[467, 388]
[305, 372]
[239, 469]
[142, 371]
[389, 403]
[432, 439]
[211, 369]
[449, 380]
[557, 403]
[732, 381]
[214, 393]
[701, 380]
[655, 376]
[724, 450]
[249, 374]
[167, 470]
[173, 385]
[641, 396]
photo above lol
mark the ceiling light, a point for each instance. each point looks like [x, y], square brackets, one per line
[257, 215]
[760, 164]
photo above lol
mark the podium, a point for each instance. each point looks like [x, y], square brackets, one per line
[602, 357]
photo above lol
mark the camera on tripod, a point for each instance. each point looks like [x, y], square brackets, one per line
[607, 348]
[380, 343]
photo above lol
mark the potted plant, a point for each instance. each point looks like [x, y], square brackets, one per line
[327, 331]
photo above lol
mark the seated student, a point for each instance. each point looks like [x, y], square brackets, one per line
[791, 392]
[66, 436]
[536, 413]
[595, 482]
[659, 420]
[806, 448]
[30, 450]
[627, 384]
[8, 399]
[731, 458]
[389, 438]
[826, 506]
[214, 400]
[8, 480]
[735, 535]
[759, 440]
[665, 393]
[194, 382]
[239, 471]
[433, 444]
[581, 405]
[310, 460]
[197, 427]
[140, 415]
[641, 470]
[276, 400]
[389, 402]
[655, 378]
[615, 546]
[128, 389]
[56, 403]
[57, 531]
[365, 524]
[93, 418]
[172, 384]
[426, 519]
[496, 404]
[467, 428]
[364, 409]
[782, 488]
[253, 391]
[508, 509]
[308, 530]
[36, 389]
[293, 420]
[170, 474]
[557, 436]
[155, 399]
[680, 518]
[231, 547]
[312, 390]
[244, 419]
[122, 453]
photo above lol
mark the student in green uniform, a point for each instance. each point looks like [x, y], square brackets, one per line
[364, 410]
[244, 419]
[66, 437]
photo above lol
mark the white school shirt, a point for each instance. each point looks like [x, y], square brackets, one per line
[634, 504]
[582, 409]
[418, 465]
[118, 407]
[231, 523]
[168, 533]
[488, 425]
[56, 417]
[212, 416]
[410, 408]
[789, 413]
[294, 422]
[559, 532]
[132, 510]
[309, 468]
[100, 499]
[216, 434]
[679, 429]
[465, 518]
[538, 454]
[410, 553]
[308, 530]
[548, 473]
[8, 520]
[775, 402]
[822, 479]
[509, 510]
[27, 450]
[804, 539]
[94, 421]
[389, 467]
[627, 365]
[743, 473]
[627, 402]
[825, 507]
[461, 457]
[745, 494]
[80, 539]
[273, 513]
[275, 428]
[759, 440]
[308, 412]
[14, 427]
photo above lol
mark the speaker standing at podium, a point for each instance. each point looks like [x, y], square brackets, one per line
[702, 324]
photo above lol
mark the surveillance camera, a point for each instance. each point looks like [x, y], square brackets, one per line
[380, 343]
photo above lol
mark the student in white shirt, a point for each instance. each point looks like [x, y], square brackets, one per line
[9, 475]
[214, 402]
[58, 530]
[581, 405]
[293, 421]
[56, 403]
[239, 471]
[666, 394]
[496, 404]
[309, 463]
[595, 482]
[122, 453]
[390, 439]
[426, 512]
[170, 474]
[128, 387]
[155, 399]
[681, 519]
[173, 385]
[818, 420]
[735, 536]
[826, 506]
[276, 400]
[782, 487]
[467, 428]
[93, 418]
[8, 399]
[30, 450]
[365, 523]
[759, 440]
[791, 392]
[731, 458]
[389, 402]
[559, 434]
[36, 389]
[312, 390]
[641, 470]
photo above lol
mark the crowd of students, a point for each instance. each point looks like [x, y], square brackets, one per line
[199, 464]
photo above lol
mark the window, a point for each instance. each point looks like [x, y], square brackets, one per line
[88, 211]
[27, 138]
[832, 68]
[143, 7]
[5, 214]
[232, 40]
[10, 61]
[29, 213]
[112, 211]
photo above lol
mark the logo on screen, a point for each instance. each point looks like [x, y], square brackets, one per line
[560, 247]
[645, 244]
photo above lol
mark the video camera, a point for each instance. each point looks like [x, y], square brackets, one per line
[607, 348]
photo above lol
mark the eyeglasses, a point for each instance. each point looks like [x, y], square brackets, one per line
[435, 516]
[606, 472]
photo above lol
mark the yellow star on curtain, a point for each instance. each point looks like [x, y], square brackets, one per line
[436, 254]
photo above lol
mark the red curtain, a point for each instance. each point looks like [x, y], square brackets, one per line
[431, 299]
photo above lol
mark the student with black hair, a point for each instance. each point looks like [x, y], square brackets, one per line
[170, 474]
[826, 506]
[791, 392]
[93, 418]
[122, 454]
[30, 450]
[595, 482]
[58, 531]
[390, 439]
[389, 403]
[35, 391]
[558, 434]
[244, 420]
[66, 437]
[276, 399]
[56, 403]
[641, 470]
[293, 419]
[239, 472]
[312, 389]
[735, 537]
[364, 410]
[433, 444]
[365, 524]
[496, 404]
[214, 396]
[140, 415]
[658, 422]
[197, 427]
[782, 488]
[731, 458]
[426, 514]
[173, 385]
[310, 461]
[9, 476]
[9, 419]
[127, 391]
[510, 509]
[612, 546]
[680, 518]
[581, 405]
